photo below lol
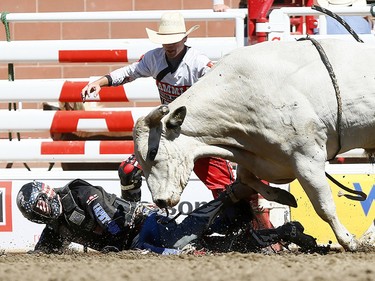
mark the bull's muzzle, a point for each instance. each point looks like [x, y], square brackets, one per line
[162, 203]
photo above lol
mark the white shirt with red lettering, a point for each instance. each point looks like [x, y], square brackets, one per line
[215, 173]
[193, 66]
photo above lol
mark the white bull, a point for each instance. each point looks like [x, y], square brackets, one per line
[271, 108]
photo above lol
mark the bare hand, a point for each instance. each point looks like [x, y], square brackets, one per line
[88, 89]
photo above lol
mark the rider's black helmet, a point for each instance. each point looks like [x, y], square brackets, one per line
[38, 202]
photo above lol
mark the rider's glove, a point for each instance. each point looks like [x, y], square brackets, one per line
[130, 174]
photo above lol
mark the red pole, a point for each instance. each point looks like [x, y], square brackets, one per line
[257, 13]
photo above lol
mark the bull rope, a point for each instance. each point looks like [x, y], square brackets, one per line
[361, 196]
[339, 19]
[332, 75]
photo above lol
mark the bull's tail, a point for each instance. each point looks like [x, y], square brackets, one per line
[361, 196]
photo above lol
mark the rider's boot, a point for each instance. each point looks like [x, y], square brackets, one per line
[293, 232]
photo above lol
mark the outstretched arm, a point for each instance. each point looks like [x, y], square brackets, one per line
[118, 77]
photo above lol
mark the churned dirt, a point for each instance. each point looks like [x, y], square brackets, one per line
[140, 266]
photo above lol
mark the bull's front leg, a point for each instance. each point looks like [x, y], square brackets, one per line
[311, 175]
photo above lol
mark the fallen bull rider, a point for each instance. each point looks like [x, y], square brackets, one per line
[86, 214]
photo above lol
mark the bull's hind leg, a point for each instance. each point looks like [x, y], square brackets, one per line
[246, 180]
[311, 175]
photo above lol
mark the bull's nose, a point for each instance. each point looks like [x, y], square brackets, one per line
[161, 203]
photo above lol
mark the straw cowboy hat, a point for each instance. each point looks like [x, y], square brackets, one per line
[171, 29]
[341, 3]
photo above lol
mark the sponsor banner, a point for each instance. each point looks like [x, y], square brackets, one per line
[5, 206]
[357, 216]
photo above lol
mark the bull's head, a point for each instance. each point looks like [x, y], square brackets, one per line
[166, 168]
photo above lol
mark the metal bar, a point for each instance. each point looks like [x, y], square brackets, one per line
[154, 15]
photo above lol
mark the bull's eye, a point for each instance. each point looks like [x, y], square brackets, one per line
[152, 153]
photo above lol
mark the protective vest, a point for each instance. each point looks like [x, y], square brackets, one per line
[73, 214]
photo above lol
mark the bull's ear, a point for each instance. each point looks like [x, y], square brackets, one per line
[176, 118]
[154, 117]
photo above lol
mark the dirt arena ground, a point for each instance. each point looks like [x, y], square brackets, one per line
[139, 266]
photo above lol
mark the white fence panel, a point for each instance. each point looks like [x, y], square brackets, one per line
[69, 90]
[50, 50]
[46, 150]
[28, 120]
[102, 50]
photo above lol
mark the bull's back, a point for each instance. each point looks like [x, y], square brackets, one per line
[264, 70]
[278, 87]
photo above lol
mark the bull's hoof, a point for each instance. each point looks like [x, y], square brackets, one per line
[350, 246]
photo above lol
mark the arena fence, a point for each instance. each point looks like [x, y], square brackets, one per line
[113, 50]
[68, 90]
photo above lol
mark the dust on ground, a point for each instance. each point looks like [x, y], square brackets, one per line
[140, 266]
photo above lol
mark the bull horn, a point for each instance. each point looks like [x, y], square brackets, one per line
[154, 117]
[176, 118]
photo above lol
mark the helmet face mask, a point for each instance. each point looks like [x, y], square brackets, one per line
[38, 202]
